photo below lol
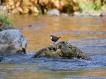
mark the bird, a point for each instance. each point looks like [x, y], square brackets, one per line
[54, 38]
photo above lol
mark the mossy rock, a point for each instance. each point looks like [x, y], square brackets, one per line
[62, 49]
[5, 23]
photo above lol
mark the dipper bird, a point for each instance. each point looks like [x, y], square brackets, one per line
[54, 38]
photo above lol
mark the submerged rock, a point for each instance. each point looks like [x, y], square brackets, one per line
[62, 49]
[12, 42]
[1, 58]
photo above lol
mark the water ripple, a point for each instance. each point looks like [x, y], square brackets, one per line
[53, 63]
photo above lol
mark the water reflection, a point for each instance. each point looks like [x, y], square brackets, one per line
[87, 33]
[37, 30]
[22, 66]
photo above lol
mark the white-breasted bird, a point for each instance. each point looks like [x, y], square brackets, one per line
[54, 38]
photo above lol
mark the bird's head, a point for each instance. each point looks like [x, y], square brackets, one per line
[51, 35]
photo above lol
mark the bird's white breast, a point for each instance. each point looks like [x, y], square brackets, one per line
[51, 37]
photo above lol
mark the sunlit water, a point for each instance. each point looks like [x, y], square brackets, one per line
[86, 33]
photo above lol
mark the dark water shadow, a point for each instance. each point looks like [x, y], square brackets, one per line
[98, 60]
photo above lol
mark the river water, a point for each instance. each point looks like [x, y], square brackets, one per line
[86, 33]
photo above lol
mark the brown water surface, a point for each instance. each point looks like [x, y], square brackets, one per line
[87, 33]
[37, 30]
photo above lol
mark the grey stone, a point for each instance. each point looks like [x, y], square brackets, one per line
[53, 12]
[12, 42]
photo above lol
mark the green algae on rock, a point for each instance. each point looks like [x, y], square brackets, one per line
[62, 49]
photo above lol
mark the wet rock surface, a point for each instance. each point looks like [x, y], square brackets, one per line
[62, 49]
[1, 58]
[12, 42]
[5, 27]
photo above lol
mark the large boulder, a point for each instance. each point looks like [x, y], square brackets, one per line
[12, 42]
[62, 49]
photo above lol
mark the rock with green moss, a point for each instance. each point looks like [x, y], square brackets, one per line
[5, 23]
[62, 49]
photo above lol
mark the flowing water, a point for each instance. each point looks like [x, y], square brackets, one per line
[86, 33]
